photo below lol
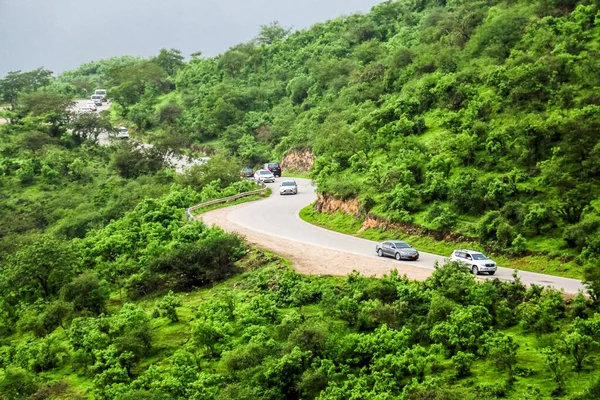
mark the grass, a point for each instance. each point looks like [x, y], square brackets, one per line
[349, 225]
[294, 173]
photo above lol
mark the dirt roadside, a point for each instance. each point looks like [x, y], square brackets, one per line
[311, 259]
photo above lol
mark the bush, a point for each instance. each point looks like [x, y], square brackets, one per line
[86, 292]
[462, 363]
[210, 260]
[169, 113]
[17, 383]
[169, 303]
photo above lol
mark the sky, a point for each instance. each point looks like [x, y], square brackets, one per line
[62, 34]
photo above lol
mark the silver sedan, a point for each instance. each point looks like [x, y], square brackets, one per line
[398, 249]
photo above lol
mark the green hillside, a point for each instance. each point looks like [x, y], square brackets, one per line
[473, 117]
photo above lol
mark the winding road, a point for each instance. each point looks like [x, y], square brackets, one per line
[274, 223]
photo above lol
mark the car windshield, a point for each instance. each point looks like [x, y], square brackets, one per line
[100, 92]
[123, 130]
[402, 245]
[265, 172]
[479, 256]
[289, 183]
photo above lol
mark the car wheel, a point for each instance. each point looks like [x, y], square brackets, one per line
[380, 253]
[491, 273]
[475, 270]
[398, 257]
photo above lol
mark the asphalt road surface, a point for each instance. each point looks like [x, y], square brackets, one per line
[278, 217]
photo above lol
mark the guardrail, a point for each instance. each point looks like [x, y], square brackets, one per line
[188, 211]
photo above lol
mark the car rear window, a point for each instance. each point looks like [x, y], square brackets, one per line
[273, 165]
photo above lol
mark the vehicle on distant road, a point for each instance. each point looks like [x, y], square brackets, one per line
[247, 173]
[83, 110]
[274, 168]
[398, 249]
[91, 105]
[122, 133]
[475, 260]
[97, 99]
[288, 187]
[101, 92]
[263, 176]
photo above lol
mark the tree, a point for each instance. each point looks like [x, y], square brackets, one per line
[169, 60]
[47, 108]
[579, 346]
[46, 263]
[271, 33]
[17, 383]
[131, 82]
[86, 292]
[131, 162]
[16, 82]
[462, 363]
[591, 280]
[503, 351]
[169, 303]
[556, 364]
[88, 126]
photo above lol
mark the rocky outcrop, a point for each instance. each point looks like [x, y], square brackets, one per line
[330, 204]
[300, 160]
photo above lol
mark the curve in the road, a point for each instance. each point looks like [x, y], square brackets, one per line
[278, 216]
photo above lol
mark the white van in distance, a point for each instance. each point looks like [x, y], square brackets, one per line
[101, 92]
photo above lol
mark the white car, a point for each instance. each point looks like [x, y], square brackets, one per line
[263, 175]
[288, 187]
[475, 260]
[97, 99]
[91, 105]
[123, 133]
[85, 110]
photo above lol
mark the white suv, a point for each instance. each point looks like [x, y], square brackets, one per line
[477, 262]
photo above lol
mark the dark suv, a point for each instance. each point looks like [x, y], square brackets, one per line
[274, 168]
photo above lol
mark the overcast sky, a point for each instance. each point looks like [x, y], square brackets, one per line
[63, 34]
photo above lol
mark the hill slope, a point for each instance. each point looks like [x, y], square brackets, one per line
[475, 117]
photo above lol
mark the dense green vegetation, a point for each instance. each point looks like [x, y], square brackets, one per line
[273, 334]
[474, 117]
[471, 117]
